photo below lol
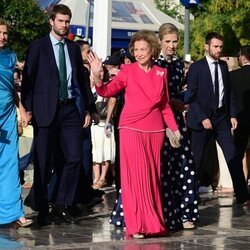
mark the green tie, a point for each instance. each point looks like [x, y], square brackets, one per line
[62, 73]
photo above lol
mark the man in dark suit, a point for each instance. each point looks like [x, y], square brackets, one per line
[212, 110]
[52, 86]
[240, 83]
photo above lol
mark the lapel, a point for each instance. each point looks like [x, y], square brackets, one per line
[207, 74]
[72, 56]
[71, 51]
[48, 52]
[75, 86]
[223, 73]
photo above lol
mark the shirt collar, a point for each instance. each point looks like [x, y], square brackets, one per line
[210, 60]
[54, 40]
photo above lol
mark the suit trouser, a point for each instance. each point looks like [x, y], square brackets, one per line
[63, 140]
[222, 133]
[87, 155]
[241, 136]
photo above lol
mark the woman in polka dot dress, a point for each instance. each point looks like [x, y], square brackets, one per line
[180, 206]
[117, 215]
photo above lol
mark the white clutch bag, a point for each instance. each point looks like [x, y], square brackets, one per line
[173, 139]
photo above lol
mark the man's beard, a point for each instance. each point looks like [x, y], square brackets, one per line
[215, 56]
[61, 33]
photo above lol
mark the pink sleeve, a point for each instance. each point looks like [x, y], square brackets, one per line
[166, 109]
[114, 86]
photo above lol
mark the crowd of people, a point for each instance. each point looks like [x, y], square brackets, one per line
[143, 114]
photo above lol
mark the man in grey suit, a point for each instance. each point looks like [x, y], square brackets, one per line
[52, 87]
[212, 110]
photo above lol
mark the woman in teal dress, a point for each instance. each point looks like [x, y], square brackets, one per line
[11, 206]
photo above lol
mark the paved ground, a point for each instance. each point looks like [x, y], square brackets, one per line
[223, 225]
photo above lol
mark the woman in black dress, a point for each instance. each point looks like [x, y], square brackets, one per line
[180, 206]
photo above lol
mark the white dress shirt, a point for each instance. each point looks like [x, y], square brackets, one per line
[221, 85]
[68, 64]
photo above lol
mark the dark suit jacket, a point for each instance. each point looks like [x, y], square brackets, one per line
[92, 106]
[240, 83]
[200, 94]
[40, 84]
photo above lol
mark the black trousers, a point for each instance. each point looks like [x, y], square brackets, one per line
[222, 133]
[63, 140]
[241, 136]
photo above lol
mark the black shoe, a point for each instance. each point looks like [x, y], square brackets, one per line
[61, 212]
[243, 200]
[75, 210]
[94, 201]
[240, 201]
[97, 192]
[44, 219]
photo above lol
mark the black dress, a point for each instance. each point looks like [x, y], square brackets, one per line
[178, 169]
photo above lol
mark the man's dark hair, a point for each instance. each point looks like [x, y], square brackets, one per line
[245, 51]
[60, 9]
[212, 35]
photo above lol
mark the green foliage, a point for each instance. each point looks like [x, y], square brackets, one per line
[173, 11]
[27, 23]
[164, 6]
[230, 18]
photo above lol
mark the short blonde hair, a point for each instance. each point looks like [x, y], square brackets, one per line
[168, 28]
[148, 36]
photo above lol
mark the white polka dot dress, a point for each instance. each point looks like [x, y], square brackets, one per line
[178, 169]
[117, 216]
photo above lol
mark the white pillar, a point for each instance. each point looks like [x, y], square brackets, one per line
[102, 27]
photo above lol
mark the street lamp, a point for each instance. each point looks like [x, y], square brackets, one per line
[188, 4]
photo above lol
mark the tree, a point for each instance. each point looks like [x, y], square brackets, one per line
[27, 22]
[170, 8]
[230, 18]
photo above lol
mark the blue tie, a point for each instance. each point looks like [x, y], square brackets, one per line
[62, 73]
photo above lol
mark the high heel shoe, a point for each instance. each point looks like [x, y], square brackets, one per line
[100, 184]
[23, 222]
[138, 236]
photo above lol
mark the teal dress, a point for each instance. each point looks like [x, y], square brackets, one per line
[11, 206]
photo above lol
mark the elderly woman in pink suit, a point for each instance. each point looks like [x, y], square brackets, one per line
[142, 126]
